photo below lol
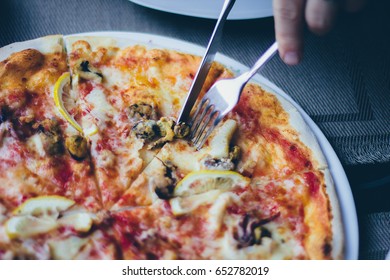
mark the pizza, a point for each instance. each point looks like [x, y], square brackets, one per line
[94, 166]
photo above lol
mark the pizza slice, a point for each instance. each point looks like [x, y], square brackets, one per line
[45, 227]
[38, 141]
[104, 118]
[273, 137]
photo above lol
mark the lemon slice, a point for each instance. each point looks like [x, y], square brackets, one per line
[27, 226]
[43, 205]
[206, 180]
[185, 205]
[60, 86]
[81, 222]
[92, 130]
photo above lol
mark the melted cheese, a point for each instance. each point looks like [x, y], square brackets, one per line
[21, 180]
[34, 143]
[115, 77]
[219, 145]
[66, 249]
[101, 108]
[184, 205]
[97, 247]
[187, 160]
[217, 211]
[31, 249]
[8, 149]
[162, 92]
[129, 160]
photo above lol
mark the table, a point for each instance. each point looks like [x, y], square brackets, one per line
[343, 82]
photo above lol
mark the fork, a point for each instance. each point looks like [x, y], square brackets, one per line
[221, 99]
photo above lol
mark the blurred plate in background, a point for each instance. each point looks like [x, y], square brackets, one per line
[243, 9]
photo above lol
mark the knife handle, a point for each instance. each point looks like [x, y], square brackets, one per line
[206, 63]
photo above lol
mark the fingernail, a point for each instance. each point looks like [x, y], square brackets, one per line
[291, 58]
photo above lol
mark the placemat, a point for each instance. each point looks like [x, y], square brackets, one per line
[376, 238]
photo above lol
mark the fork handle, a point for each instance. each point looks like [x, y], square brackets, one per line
[267, 55]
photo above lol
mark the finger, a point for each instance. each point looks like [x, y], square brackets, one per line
[354, 5]
[288, 16]
[320, 15]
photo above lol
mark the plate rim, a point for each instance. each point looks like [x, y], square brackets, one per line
[341, 184]
[236, 14]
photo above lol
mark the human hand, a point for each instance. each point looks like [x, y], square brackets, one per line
[319, 15]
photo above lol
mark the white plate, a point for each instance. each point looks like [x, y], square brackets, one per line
[243, 9]
[342, 191]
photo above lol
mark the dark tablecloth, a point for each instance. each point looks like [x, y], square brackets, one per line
[343, 82]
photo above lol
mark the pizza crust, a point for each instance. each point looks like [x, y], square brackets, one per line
[338, 241]
[48, 44]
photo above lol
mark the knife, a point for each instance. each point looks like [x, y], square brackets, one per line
[205, 65]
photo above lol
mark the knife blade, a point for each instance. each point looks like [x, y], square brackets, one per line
[206, 63]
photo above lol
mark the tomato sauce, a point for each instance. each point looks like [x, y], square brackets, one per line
[85, 88]
[235, 210]
[103, 144]
[63, 171]
[312, 182]
[128, 228]
[294, 155]
[249, 117]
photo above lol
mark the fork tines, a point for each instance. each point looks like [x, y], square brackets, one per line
[204, 121]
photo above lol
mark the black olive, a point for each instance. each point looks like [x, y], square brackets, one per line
[4, 114]
[85, 67]
[165, 192]
[250, 230]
